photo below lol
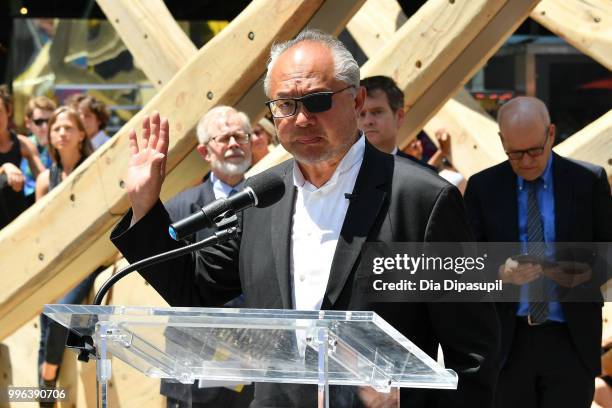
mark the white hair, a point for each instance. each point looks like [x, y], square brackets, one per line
[345, 66]
[203, 129]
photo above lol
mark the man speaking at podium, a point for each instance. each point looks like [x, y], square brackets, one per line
[340, 192]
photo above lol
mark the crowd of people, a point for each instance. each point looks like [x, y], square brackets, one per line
[32, 165]
[349, 182]
[60, 140]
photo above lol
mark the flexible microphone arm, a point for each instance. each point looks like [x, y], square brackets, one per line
[219, 237]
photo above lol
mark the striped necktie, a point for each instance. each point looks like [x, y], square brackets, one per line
[538, 309]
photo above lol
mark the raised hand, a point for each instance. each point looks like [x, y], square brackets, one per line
[147, 164]
[444, 139]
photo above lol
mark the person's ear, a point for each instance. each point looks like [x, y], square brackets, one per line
[501, 139]
[203, 152]
[400, 115]
[552, 133]
[360, 99]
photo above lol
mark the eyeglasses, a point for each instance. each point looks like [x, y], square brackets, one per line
[315, 102]
[239, 137]
[533, 152]
[40, 122]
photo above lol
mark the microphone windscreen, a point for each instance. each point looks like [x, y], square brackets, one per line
[268, 187]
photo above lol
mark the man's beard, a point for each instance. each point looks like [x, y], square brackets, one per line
[230, 168]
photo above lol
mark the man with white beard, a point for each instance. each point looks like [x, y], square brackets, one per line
[224, 141]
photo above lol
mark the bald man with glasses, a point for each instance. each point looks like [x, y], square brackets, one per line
[304, 252]
[550, 350]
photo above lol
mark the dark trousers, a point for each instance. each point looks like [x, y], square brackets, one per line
[53, 335]
[543, 370]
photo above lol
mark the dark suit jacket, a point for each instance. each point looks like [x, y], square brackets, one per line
[396, 201]
[179, 207]
[583, 213]
[417, 161]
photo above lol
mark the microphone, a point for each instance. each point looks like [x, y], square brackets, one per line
[262, 190]
[350, 196]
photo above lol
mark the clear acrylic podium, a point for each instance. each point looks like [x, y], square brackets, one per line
[252, 345]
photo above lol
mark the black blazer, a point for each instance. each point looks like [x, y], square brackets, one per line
[417, 161]
[583, 213]
[395, 201]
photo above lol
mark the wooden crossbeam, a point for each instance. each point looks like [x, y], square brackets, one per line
[473, 130]
[155, 40]
[456, 44]
[475, 143]
[63, 237]
[587, 25]
[435, 52]
[593, 143]
[375, 23]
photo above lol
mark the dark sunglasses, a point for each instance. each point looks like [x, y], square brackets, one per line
[40, 122]
[315, 102]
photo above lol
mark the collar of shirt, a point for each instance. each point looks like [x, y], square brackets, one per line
[546, 177]
[395, 150]
[98, 139]
[222, 190]
[353, 157]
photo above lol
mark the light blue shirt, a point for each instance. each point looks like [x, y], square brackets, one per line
[222, 190]
[545, 196]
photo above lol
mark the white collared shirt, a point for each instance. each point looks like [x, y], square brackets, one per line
[222, 190]
[317, 221]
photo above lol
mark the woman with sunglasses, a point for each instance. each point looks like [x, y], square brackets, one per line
[68, 147]
[13, 148]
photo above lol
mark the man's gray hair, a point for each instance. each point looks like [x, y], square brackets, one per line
[345, 66]
[203, 129]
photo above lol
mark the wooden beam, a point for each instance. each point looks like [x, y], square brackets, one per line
[472, 128]
[155, 40]
[454, 41]
[592, 144]
[375, 23]
[587, 25]
[40, 245]
[435, 52]
[475, 144]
